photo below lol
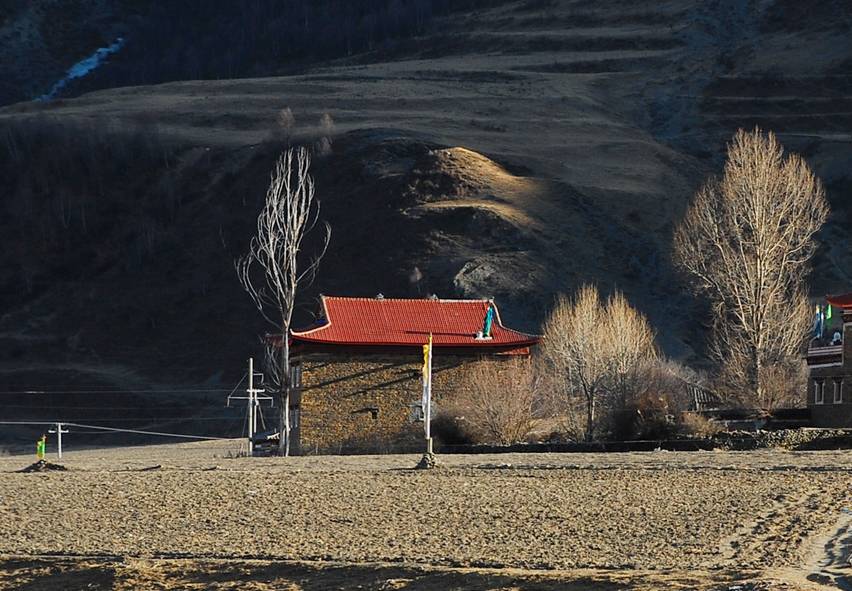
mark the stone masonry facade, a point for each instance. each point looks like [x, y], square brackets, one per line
[363, 402]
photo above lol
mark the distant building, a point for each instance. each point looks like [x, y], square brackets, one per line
[830, 367]
[357, 371]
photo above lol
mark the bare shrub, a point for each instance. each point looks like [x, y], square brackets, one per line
[326, 129]
[451, 428]
[285, 123]
[566, 414]
[656, 399]
[665, 378]
[285, 119]
[748, 240]
[783, 384]
[696, 425]
[593, 349]
[496, 402]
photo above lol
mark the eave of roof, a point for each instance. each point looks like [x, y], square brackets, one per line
[842, 301]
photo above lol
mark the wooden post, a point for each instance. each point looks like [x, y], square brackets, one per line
[59, 431]
[59, 439]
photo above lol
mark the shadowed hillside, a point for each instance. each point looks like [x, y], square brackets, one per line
[515, 149]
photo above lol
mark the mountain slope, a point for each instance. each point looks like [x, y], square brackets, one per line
[513, 150]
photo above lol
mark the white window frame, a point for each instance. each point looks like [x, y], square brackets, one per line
[838, 391]
[819, 391]
[296, 376]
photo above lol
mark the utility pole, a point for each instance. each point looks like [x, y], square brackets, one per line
[253, 403]
[252, 410]
[59, 431]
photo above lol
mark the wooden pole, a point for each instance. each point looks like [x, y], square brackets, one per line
[58, 430]
[251, 409]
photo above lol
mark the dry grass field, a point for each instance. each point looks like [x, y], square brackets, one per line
[187, 516]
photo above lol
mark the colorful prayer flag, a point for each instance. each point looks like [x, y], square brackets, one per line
[489, 319]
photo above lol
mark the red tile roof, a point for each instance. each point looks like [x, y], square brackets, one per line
[408, 322]
[843, 301]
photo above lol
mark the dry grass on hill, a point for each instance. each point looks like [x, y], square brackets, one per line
[516, 150]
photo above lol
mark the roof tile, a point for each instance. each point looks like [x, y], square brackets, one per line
[401, 322]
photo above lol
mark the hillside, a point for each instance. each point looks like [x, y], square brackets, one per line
[512, 150]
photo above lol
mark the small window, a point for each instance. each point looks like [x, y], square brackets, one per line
[295, 411]
[373, 411]
[819, 392]
[838, 391]
[296, 377]
[416, 413]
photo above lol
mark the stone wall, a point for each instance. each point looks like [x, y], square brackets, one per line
[362, 403]
[802, 439]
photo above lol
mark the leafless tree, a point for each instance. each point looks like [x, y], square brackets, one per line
[326, 127]
[498, 399]
[286, 122]
[748, 240]
[270, 272]
[593, 347]
[631, 346]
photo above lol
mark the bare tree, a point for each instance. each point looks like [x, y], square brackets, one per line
[286, 122]
[748, 240]
[575, 350]
[631, 345]
[290, 213]
[594, 348]
[497, 400]
[326, 127]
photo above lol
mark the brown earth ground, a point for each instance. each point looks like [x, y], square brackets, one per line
[189, 516]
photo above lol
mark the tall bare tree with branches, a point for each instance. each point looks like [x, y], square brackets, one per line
[631, 345]
[270, 271]
[574, 350]
[748, 239]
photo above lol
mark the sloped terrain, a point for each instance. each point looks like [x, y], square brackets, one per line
[515, 149]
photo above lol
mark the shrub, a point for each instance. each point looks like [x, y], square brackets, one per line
[696, 425]
[496, 403]
[451, 429]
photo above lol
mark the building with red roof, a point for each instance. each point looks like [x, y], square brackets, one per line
[829, 360]
[357, 369]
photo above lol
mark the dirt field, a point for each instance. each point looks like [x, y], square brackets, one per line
[188, 517]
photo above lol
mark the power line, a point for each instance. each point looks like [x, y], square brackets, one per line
[157, 419]
[148, 432]
[171, 406]
[125, 391]
[117, 430]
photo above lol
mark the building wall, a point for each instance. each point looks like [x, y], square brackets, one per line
[830, 414]
[363, 402]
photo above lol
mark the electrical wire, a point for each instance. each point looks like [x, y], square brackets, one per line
[125, 391]
[141, 432]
